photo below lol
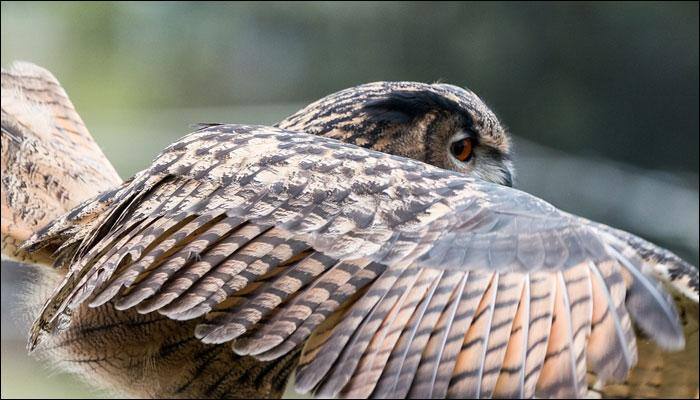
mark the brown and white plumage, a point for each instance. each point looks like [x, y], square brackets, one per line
[398, 278]
[50, 163]
[250, 193]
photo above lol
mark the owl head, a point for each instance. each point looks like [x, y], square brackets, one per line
[439, 124]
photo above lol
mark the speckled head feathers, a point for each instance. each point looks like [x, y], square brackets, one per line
[414, 120]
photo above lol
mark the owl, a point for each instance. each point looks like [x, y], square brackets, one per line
[371, 243]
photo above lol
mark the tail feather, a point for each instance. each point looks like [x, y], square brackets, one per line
[50, 163]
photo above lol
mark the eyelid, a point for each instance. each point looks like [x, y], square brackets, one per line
[466, 133]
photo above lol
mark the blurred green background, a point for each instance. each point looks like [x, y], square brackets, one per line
[602, 97]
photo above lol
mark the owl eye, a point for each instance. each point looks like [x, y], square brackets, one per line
[462, 149]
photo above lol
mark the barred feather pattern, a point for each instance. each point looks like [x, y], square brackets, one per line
[50, 163]
[396, 277]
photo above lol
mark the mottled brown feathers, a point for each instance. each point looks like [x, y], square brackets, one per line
[413, 120]
[243, 252]
[50, 163]
[237, 223]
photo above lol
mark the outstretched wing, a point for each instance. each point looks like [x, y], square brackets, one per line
[398, 278]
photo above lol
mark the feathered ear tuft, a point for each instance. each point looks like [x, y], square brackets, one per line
[406, 105]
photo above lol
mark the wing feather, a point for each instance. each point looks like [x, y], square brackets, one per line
[578, 290]
[365, 313]
[250, 263]
[388, 381]
[329, 308]
[351, 353]
[612, 348]
[507, 299]
[558, 377]
[427, 374]
[365, 378]
[468, 371]
[424, 326]
[477, 283]
[398, 278]
[267, 298]
[290, 316]
[511, 379]
[182, 243]
[178, 290]
[543, 288]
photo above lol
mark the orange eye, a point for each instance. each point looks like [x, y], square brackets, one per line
[462, 149]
